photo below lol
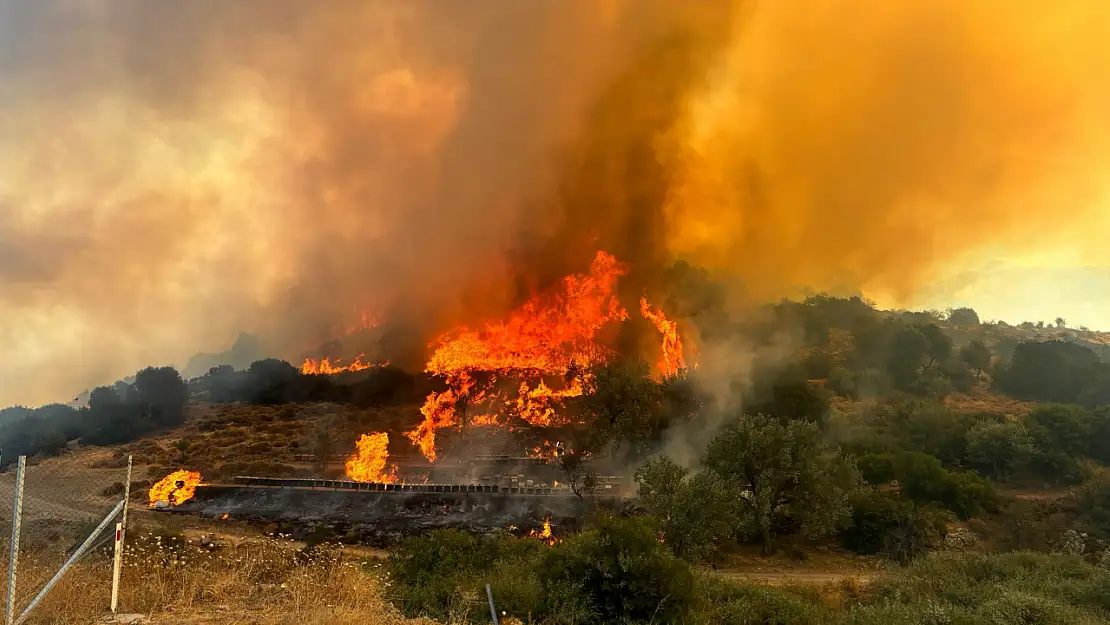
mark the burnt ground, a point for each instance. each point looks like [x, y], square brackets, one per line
[380, 519]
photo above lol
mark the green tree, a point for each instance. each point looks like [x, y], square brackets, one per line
[963, 317]
[625, 407]
[779, 471]
[907, 352]
[977, 356]
[999, 449]
[890, 525]
[1061, 436]
[938, 344]
[182, 447]
[1060, 322]
[162, 395]
[693, 511]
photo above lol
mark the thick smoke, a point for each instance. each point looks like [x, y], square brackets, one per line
[176, 173]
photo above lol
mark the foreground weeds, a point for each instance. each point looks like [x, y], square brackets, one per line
[174, 580]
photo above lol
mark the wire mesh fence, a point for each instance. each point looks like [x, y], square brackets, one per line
[63, 501]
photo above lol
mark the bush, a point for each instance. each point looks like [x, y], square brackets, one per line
[891, 526]
[726, 603]
[623, 572]
[432, 572]
[925, 480]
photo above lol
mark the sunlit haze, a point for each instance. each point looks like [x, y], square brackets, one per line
[178, 173]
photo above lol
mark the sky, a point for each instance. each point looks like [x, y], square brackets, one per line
[178, 173]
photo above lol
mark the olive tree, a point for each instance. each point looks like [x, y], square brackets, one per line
[780, 472]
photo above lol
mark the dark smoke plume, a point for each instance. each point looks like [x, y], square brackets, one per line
[176, 173]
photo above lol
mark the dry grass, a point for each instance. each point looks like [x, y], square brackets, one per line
[186, 582]
[228, 439]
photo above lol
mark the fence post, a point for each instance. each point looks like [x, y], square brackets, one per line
[13, 552]
[116, 565]
[121, 531]
[77, 555]
[492, 609]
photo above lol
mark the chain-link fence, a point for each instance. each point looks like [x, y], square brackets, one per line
[62, 503]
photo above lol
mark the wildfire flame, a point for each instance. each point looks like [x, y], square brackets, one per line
[546, 450]
[527, 366]
[368, 463]
[326, 367]
[176, 488]
[544, 535]
[553, 334]
[672, 361]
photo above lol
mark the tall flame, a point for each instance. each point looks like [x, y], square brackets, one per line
[553, 334]
[672, 361]
[371, 455]
[176, 488]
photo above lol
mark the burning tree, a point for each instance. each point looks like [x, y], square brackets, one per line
[528, 365]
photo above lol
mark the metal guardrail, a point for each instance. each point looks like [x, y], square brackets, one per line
[379, 487]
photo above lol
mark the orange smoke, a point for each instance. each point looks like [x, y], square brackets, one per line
[553, 334]
[672, 361]
[176, 488]
[368, 463]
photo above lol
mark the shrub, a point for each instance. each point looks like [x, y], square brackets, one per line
[726, 603]
[623, 572]
[890, 525]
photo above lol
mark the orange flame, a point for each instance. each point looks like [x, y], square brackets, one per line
[546, 450]
[672, 361]
[176, 488]
[552, 334]
[544, 535]
[368, 463]
[366, 321]
[326, 367]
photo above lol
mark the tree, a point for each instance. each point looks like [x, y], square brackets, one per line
[578, 477]
[692, 510]
[182, 447]
[977, 356]
[887, 524]
[272, 381]
[906, 353]
[778, 472]
[625, 406]
[938, 344]
[111, 420]
[162, 395]
[999, 449]
[322, 448]
[1061, 435]
[790, 396]
[963, 317]
[1052, 371]
[1060, 322]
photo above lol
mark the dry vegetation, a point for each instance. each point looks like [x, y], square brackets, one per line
[221, 441]
[179, 581]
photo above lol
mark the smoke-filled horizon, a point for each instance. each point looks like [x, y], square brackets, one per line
[177, 173]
